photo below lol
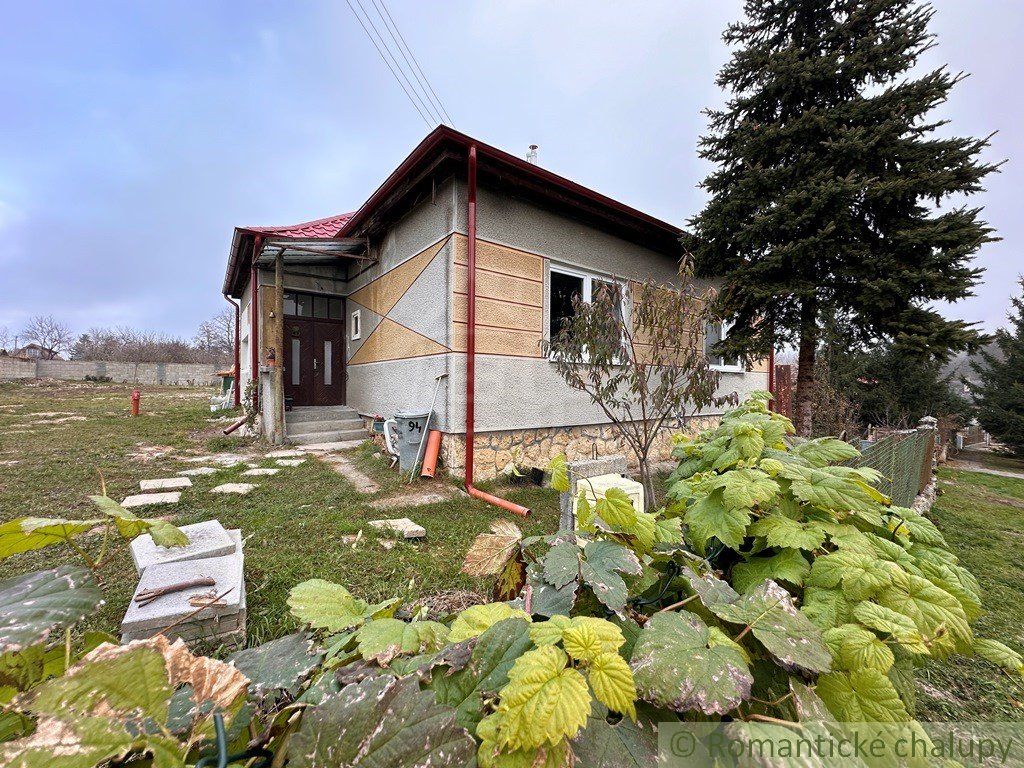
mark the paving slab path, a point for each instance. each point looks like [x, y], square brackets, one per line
[239, 488]
[417, 498]
[260, 471]
[149, 499]
[345, 468]
[403, 526]
[165, 484]
[200, 471]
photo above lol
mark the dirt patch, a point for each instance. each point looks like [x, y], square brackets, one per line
[418, 498]
[446, 603]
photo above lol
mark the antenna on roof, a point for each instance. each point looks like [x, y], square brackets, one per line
[531, 156]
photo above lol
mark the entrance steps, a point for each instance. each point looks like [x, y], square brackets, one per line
[323, 424]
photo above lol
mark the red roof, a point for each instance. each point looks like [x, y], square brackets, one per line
[318, 228]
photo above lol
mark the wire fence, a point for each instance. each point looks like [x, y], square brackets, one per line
[904, 459]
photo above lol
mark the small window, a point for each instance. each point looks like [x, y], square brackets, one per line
[303, 305]
[565, 289]
[336, 309]
[289, 303]
[357, 329]
[320, 307]
[713, 333]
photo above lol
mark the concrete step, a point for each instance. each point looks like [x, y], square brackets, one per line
[332, 436]
[321, 413]
[305, 427]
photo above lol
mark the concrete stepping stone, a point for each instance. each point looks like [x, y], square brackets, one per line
[416, 499]
[208, 539]
[402, 525]
[149, 499]
[289, 462]
[226, 618]
[348, 470]
[239, 488]
[260, 471]
[165, 484]
[200, 471]
[284, 454]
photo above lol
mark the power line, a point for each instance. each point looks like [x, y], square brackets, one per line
[424, 82]
[388, 64]
[431, 112]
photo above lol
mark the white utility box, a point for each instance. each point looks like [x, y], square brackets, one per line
[594, 489]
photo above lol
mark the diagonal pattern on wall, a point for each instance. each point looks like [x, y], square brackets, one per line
[383, 293]
[391, 341]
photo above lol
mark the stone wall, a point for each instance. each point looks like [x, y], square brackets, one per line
[177, 374]
[494, 451]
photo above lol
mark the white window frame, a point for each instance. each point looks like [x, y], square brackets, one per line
[723, 333]
[588, 291]
[356, 330]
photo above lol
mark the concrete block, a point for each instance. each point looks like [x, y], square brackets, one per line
[165, 484]
[289, 462]
[199, 471]
[403, 525]
[260, 471]
[205, 540]
[239, 488]
[148, 499]
[580, 470]
[291, 454]
[227, 571]
[340, 445]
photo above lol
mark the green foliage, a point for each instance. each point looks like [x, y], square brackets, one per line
[819, 606]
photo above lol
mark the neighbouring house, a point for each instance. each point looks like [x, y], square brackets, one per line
[373, 304]
[35, 351]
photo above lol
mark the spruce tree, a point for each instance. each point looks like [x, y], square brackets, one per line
[1000, 398]
[831, 182]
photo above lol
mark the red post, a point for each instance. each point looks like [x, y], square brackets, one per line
[136, 399]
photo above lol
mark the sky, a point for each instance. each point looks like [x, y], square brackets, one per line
[135, 136]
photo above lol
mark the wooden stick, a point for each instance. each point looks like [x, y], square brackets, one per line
[198, 610]
[149, 595]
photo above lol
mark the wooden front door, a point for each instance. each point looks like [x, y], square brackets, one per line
[314, 361]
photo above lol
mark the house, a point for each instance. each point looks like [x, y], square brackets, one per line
[35, 351]
[374, 303]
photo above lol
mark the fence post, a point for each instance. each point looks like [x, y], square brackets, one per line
[926, 429]
[784, 390]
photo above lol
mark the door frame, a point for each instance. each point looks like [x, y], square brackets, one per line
[307, 325]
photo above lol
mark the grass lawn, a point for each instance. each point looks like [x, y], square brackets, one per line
[982, 518]
[293, 522]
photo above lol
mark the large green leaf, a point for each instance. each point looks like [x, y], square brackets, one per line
[281, 665]
[936, 613]
[675, 666]
[862, 696]
[823, 451]
[605, 560]
[382, 722]
[612, 682]
[623, 745]
[781, 531]
[487, 672]
[33, 605]
[710, 518]
[326, 605]
[745, 488]
[476, 619]
[788, 565]
[921, 529]
[887, 621]
[830, 489]
[129, 525]
[83, 742]
[854, 647]
[549, 600]
[559, 469]
[544, 702]
[859, 575]
[826, 607]
[1000, 655]
[28, 533]
[787, 634]
[562, 563]
[383, 639]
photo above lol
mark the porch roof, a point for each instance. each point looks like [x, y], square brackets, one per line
[310, 250]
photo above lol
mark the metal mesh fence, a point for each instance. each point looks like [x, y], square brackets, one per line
[904, 459]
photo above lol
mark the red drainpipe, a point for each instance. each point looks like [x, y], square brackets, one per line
[238, 362]
[471, 351]
[254, 323]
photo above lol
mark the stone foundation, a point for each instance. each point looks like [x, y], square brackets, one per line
[494, 451]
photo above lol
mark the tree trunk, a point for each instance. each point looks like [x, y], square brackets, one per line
[803, 407]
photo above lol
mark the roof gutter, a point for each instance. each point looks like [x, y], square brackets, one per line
[471, 351]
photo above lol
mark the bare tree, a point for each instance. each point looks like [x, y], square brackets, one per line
[216, 336]
[49, 333]
[6, 340]
[639, 355]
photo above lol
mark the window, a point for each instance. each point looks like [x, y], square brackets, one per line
[357, 326]
[309, 305]
[713, 333]
[564, 287]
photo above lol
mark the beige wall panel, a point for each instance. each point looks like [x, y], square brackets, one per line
[500, 313]
[391, 341]
[760, 366]
[500, 258]
[498, 341]
[383, 293]
[501, 287]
